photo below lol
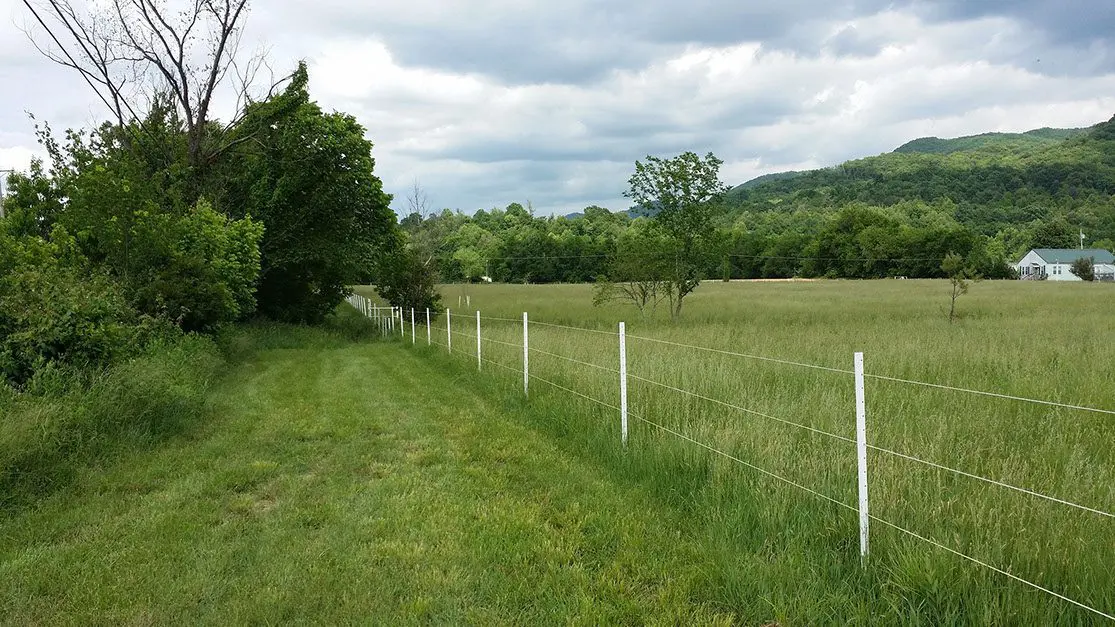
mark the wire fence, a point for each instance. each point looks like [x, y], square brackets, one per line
[394, 320]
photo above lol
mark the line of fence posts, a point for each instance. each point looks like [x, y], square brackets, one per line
[860, 408]
[388, 324]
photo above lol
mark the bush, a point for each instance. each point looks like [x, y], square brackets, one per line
[1085, 268]
[198, 270]
[76, 417]
[406, 279]
[56, 315]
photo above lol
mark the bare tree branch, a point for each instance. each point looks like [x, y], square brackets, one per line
[130, 51]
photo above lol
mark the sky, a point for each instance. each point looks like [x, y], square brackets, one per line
[488, 102]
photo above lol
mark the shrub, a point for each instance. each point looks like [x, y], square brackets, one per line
[1085, 268]
[80, 416]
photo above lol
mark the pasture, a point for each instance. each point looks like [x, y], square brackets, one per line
[337, 476]
[793, 549]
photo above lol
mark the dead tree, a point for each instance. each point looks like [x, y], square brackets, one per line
[131, 52]
[418, 201]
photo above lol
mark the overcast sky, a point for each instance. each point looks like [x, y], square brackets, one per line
[488, 102]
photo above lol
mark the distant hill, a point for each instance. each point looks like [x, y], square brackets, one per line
[767, 178]
[1036, 137]
[1028, 140]
[991, 180]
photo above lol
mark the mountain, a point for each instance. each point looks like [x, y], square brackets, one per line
[1037, 138]
[984, 182]
[1034, 138]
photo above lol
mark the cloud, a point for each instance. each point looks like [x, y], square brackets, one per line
[495, 101]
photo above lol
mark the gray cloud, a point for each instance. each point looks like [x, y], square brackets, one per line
[493, 101]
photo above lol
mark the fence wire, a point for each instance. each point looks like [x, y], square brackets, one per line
[737, 460]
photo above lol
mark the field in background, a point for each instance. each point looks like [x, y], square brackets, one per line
[1038, 340]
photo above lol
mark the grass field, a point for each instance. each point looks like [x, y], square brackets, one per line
[1038, 340]
[333, 482]
[333, 477]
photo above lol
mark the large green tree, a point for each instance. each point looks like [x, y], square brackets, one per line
[684, 192]
[309, 176]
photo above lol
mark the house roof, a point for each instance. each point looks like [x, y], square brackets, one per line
[1069, 255]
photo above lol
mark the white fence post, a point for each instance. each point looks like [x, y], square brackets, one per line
[412, 340]
[429, 340]
[526, 357]
[402, 323]
[861, 457]
[477, 339]
[449, 330]
[623, 381]
[375, 311]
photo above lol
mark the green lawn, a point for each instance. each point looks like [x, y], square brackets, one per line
[345, 484]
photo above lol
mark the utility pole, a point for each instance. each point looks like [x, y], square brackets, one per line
[3, 179]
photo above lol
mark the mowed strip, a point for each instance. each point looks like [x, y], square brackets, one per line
[353, 484]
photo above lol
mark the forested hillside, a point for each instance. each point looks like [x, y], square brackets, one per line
[988, 198]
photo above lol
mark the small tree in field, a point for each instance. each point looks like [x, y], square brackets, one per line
[960, 277]
[638, 271]
[1085, 268]
[686, 191]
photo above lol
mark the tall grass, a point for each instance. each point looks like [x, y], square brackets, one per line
[798, 552]
[71, 419]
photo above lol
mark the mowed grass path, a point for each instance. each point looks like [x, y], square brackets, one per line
[351, 484]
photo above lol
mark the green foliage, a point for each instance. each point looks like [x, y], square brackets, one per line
[1030, 139]
[56, 314]
[959, 275]
[408, 279]
[308, 177]
[685, 192]
[70, 418]
[128, 205]
[1085, 268]
[198, 270]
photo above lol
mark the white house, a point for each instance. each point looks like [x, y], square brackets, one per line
[1054, 264]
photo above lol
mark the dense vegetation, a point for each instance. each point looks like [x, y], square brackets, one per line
[986, 198]
[124, 256]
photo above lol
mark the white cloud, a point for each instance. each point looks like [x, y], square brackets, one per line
[555, 101]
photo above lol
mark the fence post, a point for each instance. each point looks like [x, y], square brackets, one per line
[526, 357]
[623, 381]
[478, 340]
[429, 340]
[375, 311]
[449, 330]
[412, 340]
[861, 457]
[402, 323]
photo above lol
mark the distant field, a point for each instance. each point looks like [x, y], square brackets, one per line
[1038, 340]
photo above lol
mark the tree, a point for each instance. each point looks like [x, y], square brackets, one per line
[309, 177]
[959, 276]
[685, 191]
[130, 218]
[407, 279]
[417, 201]
[130, 52]
[637, 272]
[1085, 268]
